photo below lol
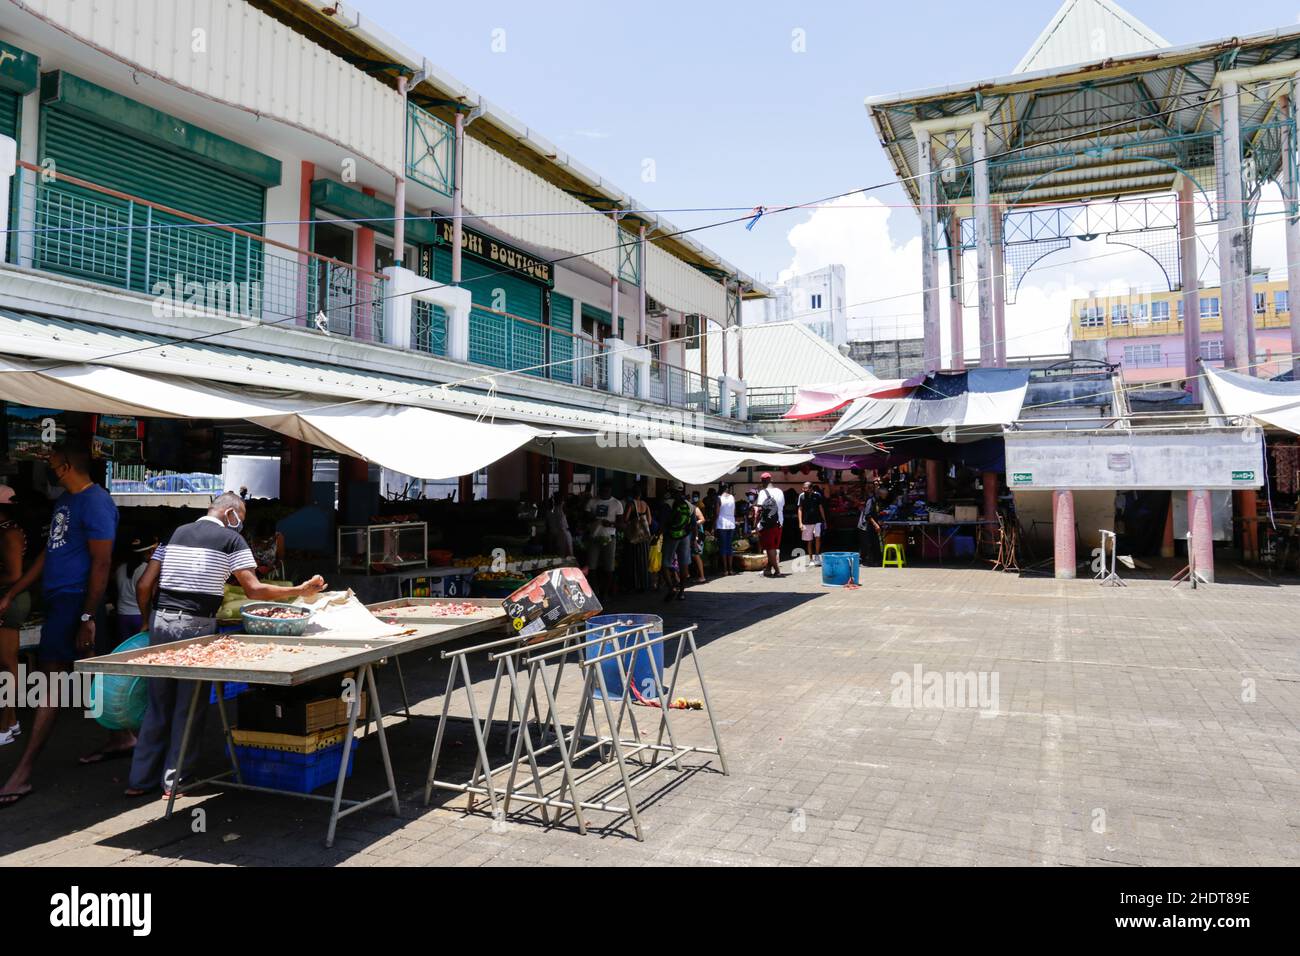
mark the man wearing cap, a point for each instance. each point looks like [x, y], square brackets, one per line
[74, 571]
[678, 519]
[769, 512]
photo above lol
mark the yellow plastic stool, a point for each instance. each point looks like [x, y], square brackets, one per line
[894, 557]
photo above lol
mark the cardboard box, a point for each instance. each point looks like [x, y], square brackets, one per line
[966, 513]
[553, 599]
[941, 517]
[274, 713]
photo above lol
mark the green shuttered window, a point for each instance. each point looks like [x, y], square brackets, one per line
[89, 234]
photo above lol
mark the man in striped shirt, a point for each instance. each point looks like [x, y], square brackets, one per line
[189, 573]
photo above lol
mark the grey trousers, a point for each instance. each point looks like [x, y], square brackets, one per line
[158, 744]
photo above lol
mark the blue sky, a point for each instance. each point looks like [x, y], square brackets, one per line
[730, 115]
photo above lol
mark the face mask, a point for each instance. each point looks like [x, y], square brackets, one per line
[237, 523]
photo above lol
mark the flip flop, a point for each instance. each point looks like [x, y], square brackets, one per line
[103, 756]
[9, 799]
[133, 793]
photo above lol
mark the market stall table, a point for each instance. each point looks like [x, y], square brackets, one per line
[936, 533]
[293, 662]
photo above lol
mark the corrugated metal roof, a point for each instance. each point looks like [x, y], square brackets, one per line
[782, 355]
[1087, 30]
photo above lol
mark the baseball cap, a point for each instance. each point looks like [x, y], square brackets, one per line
[767, 475]
[7, 494]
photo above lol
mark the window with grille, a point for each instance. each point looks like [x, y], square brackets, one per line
[1119, 314]
[1281, 301]
[1092, 318]
[1261, 303]
[1160, 311]
[1142, 355]
[1212, 350]
[1210, 307]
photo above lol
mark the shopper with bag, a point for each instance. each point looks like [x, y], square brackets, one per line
[769, 512]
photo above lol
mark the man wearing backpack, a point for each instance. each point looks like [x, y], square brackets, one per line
[678, 520]
[769, 512]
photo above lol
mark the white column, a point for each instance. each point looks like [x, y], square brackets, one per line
[999, 289]
[1189, 270]
[983, 244]
[1232, 237]
[1063, 532]
[1291, 193]
[932, 358]
[955, 310]
[640, 275]
[1200, 520]
[457, 199]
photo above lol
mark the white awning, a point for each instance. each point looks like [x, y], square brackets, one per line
[414, 441]
[1268, 402]
[982, 398]
[664, 458]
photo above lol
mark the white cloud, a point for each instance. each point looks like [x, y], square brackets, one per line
[883, 276]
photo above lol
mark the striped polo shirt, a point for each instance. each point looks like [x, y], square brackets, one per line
[197, 560]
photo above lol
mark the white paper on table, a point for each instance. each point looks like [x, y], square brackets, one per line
[341, 613]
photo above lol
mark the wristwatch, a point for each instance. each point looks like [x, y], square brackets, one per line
[86, 617]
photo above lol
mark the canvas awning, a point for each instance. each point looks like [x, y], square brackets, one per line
[813, 401]
[1268, 402]
[414, 441]
[664, 458]
[959, 406]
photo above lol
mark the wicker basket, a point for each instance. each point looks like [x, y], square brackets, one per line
[752, 562]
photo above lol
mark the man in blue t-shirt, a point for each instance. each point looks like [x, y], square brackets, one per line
[74, 570]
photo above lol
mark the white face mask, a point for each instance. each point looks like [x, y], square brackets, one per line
[236, 524]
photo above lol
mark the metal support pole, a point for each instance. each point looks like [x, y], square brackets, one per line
[1189, 271]
[1237, 312]
[999, 289]
[640, 292]
[955, 309]
[932, 358]
[983, 244]
[457, 200]
[1291, 194]
[399, 186]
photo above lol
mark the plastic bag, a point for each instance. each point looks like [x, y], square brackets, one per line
[656, 554]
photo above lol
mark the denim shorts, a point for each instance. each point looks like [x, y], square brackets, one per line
[62, 621]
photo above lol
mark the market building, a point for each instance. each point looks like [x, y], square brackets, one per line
[1105, 130]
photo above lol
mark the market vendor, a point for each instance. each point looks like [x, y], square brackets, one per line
[189, 574]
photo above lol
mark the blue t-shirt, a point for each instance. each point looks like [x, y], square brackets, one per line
[89, 515]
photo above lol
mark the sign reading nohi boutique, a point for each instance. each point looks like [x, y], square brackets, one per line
[491, 250]
[1134, 460]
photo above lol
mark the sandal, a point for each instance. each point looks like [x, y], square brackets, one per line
[9, 799]
[103, 756]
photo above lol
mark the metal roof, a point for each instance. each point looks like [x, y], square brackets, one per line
[1116, 125]
[782, 355]
[1082, 30]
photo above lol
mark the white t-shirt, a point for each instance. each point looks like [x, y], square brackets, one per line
[609, 509]
[726, 513]
[775, 495]
[126, 603]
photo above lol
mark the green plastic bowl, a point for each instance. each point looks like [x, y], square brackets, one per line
[121, 701]
[274, 627]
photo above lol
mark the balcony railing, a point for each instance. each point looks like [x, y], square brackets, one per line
[74, 227]
[79, 228]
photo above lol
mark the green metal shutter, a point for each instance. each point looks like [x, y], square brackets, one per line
[111, 240]
[561, 345]
[10, 103]
[498, 340]
[10, 106]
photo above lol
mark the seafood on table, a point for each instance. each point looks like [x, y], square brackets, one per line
[393, 615]
[283, 612]
[223, 652]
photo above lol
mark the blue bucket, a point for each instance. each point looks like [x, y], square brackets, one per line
[839, 568]
[643, 663]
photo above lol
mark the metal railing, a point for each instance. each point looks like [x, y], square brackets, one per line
[683, 388]
[79, 228]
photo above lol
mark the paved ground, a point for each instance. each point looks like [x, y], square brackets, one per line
[1131, 726]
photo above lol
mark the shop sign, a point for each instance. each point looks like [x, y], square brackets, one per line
[19, 70]
[1022, 477]
[498, 253]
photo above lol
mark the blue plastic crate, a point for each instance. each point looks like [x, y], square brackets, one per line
[229, 691]
[286, 770]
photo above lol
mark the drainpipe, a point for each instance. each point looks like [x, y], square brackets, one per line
[399, 188]
[457, 192]
[640, 273]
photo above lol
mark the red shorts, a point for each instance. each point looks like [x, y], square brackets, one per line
[769, 539]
